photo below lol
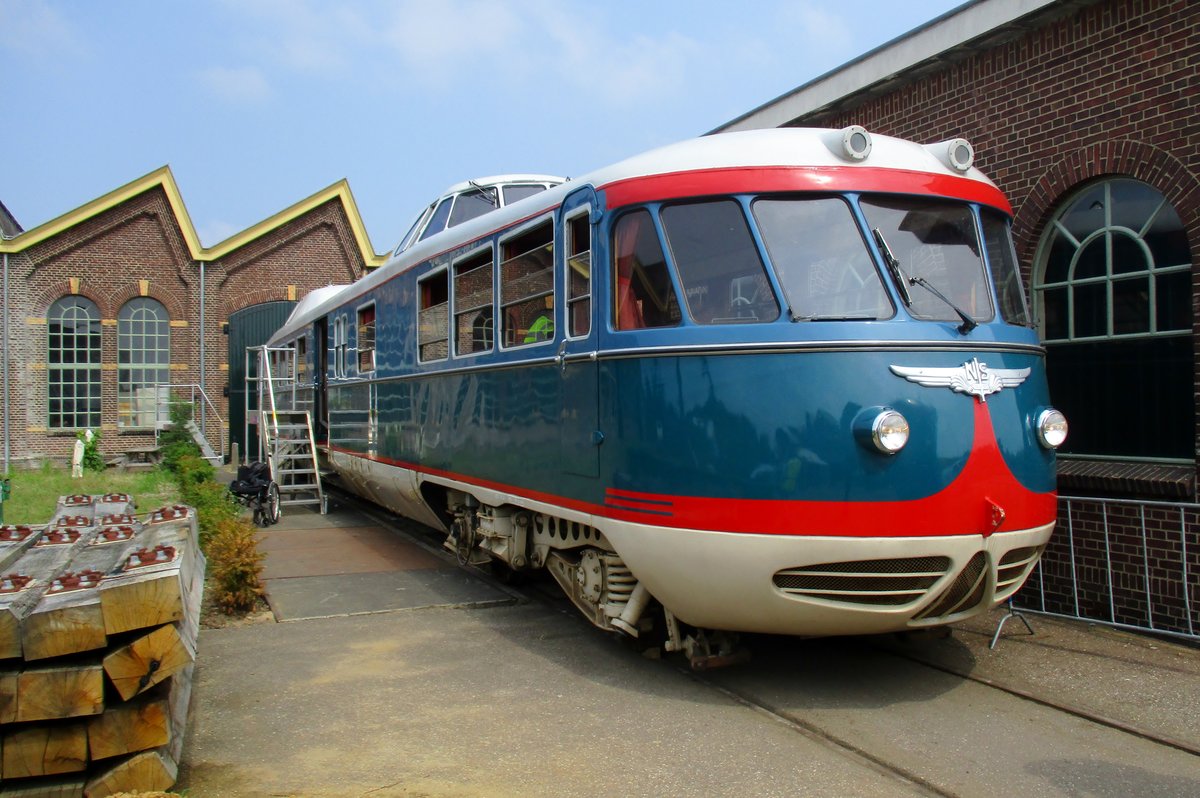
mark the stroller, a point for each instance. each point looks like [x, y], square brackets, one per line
[255, 489]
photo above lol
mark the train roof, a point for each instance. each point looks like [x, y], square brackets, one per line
[814, 148]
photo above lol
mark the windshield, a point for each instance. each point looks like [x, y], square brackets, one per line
[934, 241]
[821, 260]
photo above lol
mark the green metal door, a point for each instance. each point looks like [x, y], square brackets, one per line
[251, 326]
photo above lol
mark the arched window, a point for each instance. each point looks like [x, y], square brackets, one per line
[1114, 299]
[73, 364]
[143, 360]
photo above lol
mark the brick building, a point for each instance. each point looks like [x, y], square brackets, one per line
[117, 296]
[1086, 113]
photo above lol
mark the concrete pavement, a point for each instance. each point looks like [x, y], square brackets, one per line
[395, 673]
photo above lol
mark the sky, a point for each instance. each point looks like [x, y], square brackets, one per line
[257, 104]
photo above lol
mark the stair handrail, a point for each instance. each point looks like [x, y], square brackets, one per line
[207, 407]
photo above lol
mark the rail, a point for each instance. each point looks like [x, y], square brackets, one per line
[167, 393]
[1123, 563]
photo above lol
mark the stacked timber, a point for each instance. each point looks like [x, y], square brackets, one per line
[99, 616]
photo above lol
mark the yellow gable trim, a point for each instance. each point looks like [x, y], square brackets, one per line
[162, 178]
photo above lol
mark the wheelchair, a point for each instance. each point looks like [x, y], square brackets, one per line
[255, 489]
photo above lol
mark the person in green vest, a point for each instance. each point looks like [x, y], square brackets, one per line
[542, 329]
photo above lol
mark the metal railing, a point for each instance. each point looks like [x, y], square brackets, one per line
[204, 412]
[1135, 577]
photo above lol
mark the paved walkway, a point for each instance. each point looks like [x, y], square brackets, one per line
[393, 672]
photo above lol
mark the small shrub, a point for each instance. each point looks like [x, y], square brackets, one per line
[213, 504]
[234, 566]
[92, 459]
[192, 469]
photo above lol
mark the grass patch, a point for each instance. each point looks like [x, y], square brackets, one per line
[35, 492]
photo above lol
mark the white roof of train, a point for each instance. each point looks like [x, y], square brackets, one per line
[797, 147]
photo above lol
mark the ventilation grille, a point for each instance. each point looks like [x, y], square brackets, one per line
[874, 582]
[1014, 568]
[966, 592]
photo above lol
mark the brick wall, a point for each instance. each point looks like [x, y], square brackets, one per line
[1109, 89]
[137, 248]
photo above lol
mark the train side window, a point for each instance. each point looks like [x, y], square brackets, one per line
[1003, 262]
[821, 259]
[432, 327]
[642, 292]
[473, 292]
[473, 203]
[437, 222]
[719, 267]
[579, 274]
[519, 191]
[339, 346]
[527, 287]
[366, 338]
[301, 360]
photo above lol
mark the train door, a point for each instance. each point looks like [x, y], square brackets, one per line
[580, 437]
[320, 380]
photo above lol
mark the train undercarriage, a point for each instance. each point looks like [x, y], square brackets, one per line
[588, 569]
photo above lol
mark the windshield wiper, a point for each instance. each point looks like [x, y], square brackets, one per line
[903, 282]
[894, 267]
[834, 317]
[968, 323]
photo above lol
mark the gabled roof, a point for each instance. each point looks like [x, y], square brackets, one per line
[162, 178]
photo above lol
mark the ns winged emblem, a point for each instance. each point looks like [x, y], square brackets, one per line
[972, 378]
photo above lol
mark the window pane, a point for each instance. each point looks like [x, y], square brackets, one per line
[1126, 397]
[934, 240]
[723, 278]
[1131, 305]
[1003, 262]
[437, 222]
[516, 193]
[1093, 259]
[1086, 214]
[1091, 310]
[820, 259]
[1173, 298]
[471, 204]
[1058, 264]
[643, 295]
[1128, 255]
[1132, 203]
[1168, 240]
[1054, 313]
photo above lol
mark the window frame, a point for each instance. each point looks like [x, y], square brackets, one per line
[457, 311]
[361, 335]
[443, 273]
[582, 216]
[92, 367]
[502, 307]
[126, 388]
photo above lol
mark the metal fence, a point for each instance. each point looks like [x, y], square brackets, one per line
[1124, 563]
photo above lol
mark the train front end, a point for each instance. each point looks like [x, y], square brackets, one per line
[825, 405]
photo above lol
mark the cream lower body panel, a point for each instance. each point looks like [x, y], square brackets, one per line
[719, 580]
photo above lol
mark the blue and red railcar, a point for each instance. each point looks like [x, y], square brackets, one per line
[781, 381]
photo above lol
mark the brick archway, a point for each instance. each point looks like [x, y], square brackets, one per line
[1135, 159]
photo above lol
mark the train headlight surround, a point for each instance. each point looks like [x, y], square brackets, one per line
[1051, 428]
[882, 429]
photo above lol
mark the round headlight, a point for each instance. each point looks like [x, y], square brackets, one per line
[889, 432]
[1051, 428]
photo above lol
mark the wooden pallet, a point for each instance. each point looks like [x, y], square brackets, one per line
[99, 618]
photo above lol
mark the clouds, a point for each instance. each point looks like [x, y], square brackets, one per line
[235, 84]
[36, 28]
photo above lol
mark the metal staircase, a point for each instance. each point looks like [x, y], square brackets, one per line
[286, 435]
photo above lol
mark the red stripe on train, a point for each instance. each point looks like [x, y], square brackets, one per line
[970, 505]
[758, 179]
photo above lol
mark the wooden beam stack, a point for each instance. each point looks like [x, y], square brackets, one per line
[99, 616]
